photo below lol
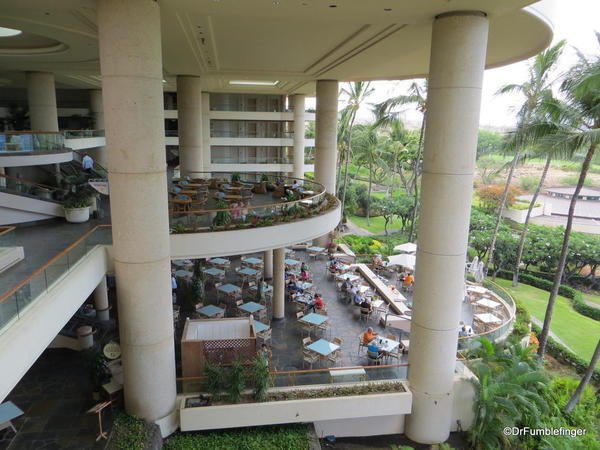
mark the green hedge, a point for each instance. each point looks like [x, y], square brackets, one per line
[128, 433]
[575, 295]
[565, 356]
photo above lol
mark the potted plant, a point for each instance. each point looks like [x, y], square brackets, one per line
[78, 199]
[98, 370]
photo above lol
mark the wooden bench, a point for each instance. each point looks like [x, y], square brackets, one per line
[358, 372]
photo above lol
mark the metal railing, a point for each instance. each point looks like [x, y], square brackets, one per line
[75, 134]
[299, 378]
[258, 135]
[245, 108]
[252, 160]
[12, 185]
[293, 205]
[15, 301]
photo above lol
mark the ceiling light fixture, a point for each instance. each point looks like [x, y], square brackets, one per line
[333, 6]
[8, 32]
[253, 83]
[387, 9]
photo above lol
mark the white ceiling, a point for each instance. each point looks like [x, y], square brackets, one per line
[292, 41]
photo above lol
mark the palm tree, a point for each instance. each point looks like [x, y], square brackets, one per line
[368, 148]
[575, 126]
[357, 93]
[417, 95]
[584, 381]
[535, 89]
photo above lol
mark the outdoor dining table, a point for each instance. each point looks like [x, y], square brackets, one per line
[210, 310]
[385, 345]
[377, 303]
[253, 262]
[352, 277]
[191, 185]
[323, 347]
[305, 285]
[477, 289]
[259, 327]
[219, 262]
[266, 289]
[343, 268]
[487, 303]
[314, 319]
[251, 307]
[487, 318]
[229, 289]
[214, 272]
[292, 262]
[306, 299]
[288, 251]
[248, 272]
[181, 273]
[182, 262]
[315, 251]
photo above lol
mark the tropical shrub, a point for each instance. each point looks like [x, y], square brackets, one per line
[491, 196]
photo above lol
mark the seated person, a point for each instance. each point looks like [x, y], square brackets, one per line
[367, 305]
[318, 303]
[369, 335]
[286, 275]
[265, 354]
[220, 195]
[358, 299]
[295, 185]
[236, 211]
[304, 275]
[295, 287]
[346, 285]
[463, 332]
[304, 267]
[402, 275]
[374, 349]
[408, 280]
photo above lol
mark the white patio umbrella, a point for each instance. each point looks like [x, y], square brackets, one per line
[404, 260]
[409, 247]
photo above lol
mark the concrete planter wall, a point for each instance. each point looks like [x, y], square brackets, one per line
[296, 411]
[519, 215]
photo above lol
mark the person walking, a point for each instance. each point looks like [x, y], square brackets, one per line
[88, 164]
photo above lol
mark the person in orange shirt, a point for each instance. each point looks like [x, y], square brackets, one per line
[369, 335]
[408, 280]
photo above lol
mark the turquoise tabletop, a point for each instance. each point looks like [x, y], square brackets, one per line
[248, 271]
[251, 307]
[314, 319]
[229, 288]
[213, 271]
[323, 347]
[288, 250]
[182, 262]
[253, 261]
[348, 276]
[267, 288]
[183, 273]
[307, 300]
[9, 411]
[316, 249]
[210, 310]
[218, 261]
[259, 326]
[292, 262]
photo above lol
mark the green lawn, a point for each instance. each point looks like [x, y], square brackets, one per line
[579, 332]
[594, 298]
[376, 223]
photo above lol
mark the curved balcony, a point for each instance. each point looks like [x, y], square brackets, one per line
[32, 148]
[218, 217]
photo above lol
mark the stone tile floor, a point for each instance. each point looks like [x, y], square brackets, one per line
[55, 395]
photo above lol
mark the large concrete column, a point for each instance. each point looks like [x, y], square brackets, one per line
[268, 264]
[131, 68]
[458, 50]
[278, 284]
[206, 131]
[298, 155]
[97, 112]
[100, 296]
[189, 124]
[326, 140]
[41, 97]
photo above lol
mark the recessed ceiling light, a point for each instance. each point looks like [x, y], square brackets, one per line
[333, 6]
[253, 82]
[8, 32]
[164, 81]
[387, 9]
[275, 3]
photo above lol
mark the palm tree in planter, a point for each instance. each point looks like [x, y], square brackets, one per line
[535, 90]
[574, 127]
[78, 199]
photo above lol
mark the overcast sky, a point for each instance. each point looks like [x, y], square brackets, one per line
[574, 21]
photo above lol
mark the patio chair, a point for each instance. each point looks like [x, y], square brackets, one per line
[309, 357]
[306, 342]
[335, 357]
[324, 327]
[365, 313]
[361, 342]
[299, 314]
[265, 335]
[374, 357]
[198, 305]
[337, 341]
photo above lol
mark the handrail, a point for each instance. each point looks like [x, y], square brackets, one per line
[6, 229]
[49, 263]
[32, 183]
[95, 163]
[30, 132]
[250, 207]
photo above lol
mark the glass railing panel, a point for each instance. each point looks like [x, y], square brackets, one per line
[9, 311]
[76, 134]
[56, 269]
[27, 141]
[36, 286]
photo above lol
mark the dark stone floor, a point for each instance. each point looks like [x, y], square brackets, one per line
[55, 395]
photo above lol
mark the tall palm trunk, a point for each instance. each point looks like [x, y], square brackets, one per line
[369, 194]
[513, 165]
[515, 281]
[563, 253]
[347, 162]
[416, 181]
[584, 381]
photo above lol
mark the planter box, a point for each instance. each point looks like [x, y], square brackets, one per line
[519, 215]
[295, 411]
[77, 215]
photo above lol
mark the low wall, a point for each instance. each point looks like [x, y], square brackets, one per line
[519, 215]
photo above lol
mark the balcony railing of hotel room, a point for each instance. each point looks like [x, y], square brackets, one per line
[252, 160]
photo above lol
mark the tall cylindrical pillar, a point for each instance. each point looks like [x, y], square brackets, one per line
[326, 140]
[298, 155]
[97, 113]
[41, 97]
[189, 124]
[268, 264]
[100, 296]
[458, 49]
[131, 67]
[278, 284]
[206, 162]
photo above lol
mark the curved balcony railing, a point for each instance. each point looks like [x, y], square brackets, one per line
[269, 201]
[12, 185]
[77, 134]
[252, 160]
[31, 141]
[259, 135]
